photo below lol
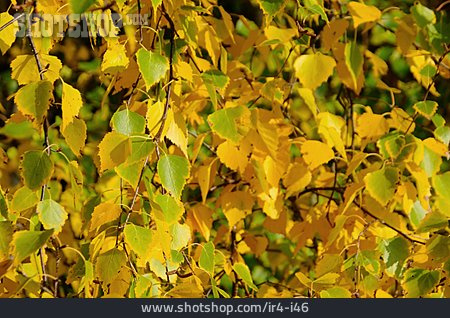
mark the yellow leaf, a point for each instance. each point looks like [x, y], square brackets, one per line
[316, 153]
[327, 279]
[257, 244]
[115, 59]
[75, 135]
[25, 69]
[104, 213]
[362, 13]
[382, 294]
[406, 33]
[184, 70]
[232, 156]
[154, 115]
[314, 69]
[308, 97]
[401, 120]
[236, 206]
[114, 149]
[34, 99]
[330, 127]
[226, 17]
[343, 69]
[177, 131]
[200, 218]
[297, 178]
[273, 203]
[8, 35]
[380, 67]
[206, 175]
[437, 147]
[303, 279]
[282, 35]
[71, 104]
[371, 126]
[422, 182]
[332, 32]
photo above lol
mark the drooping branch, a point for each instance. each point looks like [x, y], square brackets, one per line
[157, 138]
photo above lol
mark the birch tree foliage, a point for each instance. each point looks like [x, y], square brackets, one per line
[290, 148]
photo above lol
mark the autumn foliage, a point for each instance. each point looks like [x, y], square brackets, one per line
[207, 148]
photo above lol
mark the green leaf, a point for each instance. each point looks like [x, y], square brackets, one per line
[128, 123]
[439, 248]
[140, 149]
[153, 66]
[172, 210]
[354, 60]
[244, 273]
[369, 260]
[24, 199]
[52, 215]
[426, 108]
[76, 177]
[130, 172]
[419, 282]
[423, 15]
[381, 184]
[432, 221]
[156, 3]
[314, 7]
[27, 242]
[271, 7]
[216, 78]
[36, 168]
[6, 233]
[417, 213]
[34, 99]
[431, 161]
[181, 235]
[394, 252]
[206, 261]
[139, 238]
[223, 122]
[173, 172]
[438, 120]
[109, 264]
[80, 6]
[443, 134]
[3, 205]
[441, 184]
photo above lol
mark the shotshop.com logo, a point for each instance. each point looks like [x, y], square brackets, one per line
[75, 25]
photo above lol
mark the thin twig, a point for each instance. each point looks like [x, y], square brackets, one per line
[7, 24]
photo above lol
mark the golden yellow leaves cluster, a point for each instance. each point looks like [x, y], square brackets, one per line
[296, 148]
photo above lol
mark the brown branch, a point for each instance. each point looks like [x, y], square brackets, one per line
[171, 77]
[363, 209]
[406, 236]
[158, 135]
[46, 142]
[442, 5]
[141, 34]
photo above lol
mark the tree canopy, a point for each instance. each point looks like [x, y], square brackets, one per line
[207, 148]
